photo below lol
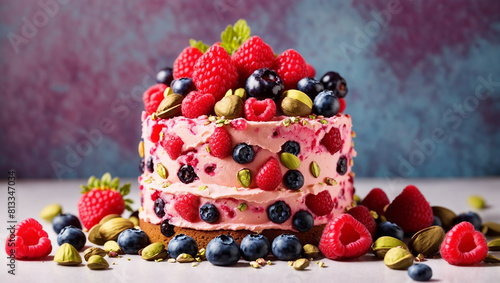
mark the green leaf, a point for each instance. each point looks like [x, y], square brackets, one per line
[199, 45]
[85, 189]
[90, 182]
[242, 30]
[115, 183]
[125, 189]
[96, 183]
[233, 37]
[129, 208]
[106, 179]
[127, 200]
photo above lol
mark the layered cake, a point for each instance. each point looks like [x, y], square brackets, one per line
[244, 142]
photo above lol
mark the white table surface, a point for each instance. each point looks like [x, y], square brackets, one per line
[33, 195]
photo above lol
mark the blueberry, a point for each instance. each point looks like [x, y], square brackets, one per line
[73, 236]
[286, 247]
[420, 272]
[437, 222]
[209, 213]
[334, 82]
[160, 207]
[186, 174]
[167, 229]
[223, 250]
[471, 217]
[165, 76]
[255, 246]
[150, 165]
[326, 104]
[264, 83]
[302, 221]
[342, 165]
[182, 86]
[65, 219]
[293, 180]
[141, 165]
[182, 244]
[389, 229]
[278, 212]
[132, 240]
[243, 153]
[292, 147]
[310, 86]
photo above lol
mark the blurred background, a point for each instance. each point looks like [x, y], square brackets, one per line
[423, 77]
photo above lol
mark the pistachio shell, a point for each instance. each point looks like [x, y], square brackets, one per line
[244, 177]
[97, 262]
[229, 107]
[135, 220]
[491, 259]
[476, 201]
[290, 161]
[315, 170]
[494, 245]
[66, 254]
[398, 258]
[170, 106]
[112, 246]
[50, 211]
[113, 227]
[311, 251]
[108, 217]
[154, 251]
[294, 107]
[384, 244]
[94, 235]
[301, 264]
[140, 149]
[93, 251]
[427, 241]
[241, 92]
[446, 216]
[162, 171]
[491, 229]
[184, 258]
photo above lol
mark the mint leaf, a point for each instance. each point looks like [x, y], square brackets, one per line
[242, 30]
[233, 37]
[129, 208]
[199, 45]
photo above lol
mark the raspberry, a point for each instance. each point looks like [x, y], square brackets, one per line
[153, 96]
[220, 143]
[310, 71]
[196, 104]
[269, 176]
[172, 145]
[215, 73]
[291, 67]
[187, 206]
[463, 245]
[239, 124]
[342, 105]
[252, 55]
[259, 110]
[97, 203]
[184, 63]
[155, 133]
[320, 204]
[363, 215]
[410, 210]
[31, 241]
[376, 200]
[332, 140]
[344, 237]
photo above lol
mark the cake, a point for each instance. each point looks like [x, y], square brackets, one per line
[218, 158]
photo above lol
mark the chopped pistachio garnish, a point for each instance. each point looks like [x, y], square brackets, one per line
[330, 181]
[202, 187]
[254, 264]
[286, 122]
[323, 121]
[171, 260]
[154, 116]
[212, 118]
[242, 206]
[312, 117]
[206, 123]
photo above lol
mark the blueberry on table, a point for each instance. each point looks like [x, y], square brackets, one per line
[73, 236]
[223, 250]
[182, 244]
[420, 272]
[132, 240]
[390, 229]
[65, 219]
[255, 246]
[286, 247]
[471, 217]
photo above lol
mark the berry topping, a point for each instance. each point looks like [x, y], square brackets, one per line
[132, 240]
[186, 174]
[463, 245]
[363, 215]
[291, 67]
[278, 212]
[165, 76]
[65, 219]
[420, 272]
[239, 124]
[269, 176]
[410, 210]
[376, 200]
[183, 65]
[302, 221]
[390, 229]
[255, 246]
[220, 143]
[187, 206]
[286, 247]
[332, 140]
[243, 153]
[155, 133]
[292, 147]
[326, 104]
[214, 73]
[182, 86]
[342, 165]
[334, 82]
[159, 207]
[182, 244]
[209, 213]
[310, 71]
[167, 229]
[264, 83]
[344, 237]
[320, 204]
[196, 104]
[73, 236]
[30, 241]
[471, 217]
[172, 145]
[310, 86]
[342, 105]
[150, 165]
[153, 96]
[256, 110]
[252, 55]
[223, 250]
[293, 180]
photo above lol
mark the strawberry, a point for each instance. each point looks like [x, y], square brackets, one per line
[363, 215]
[252, 55]
[291, 67]
[100, 198]
[376, 200]
[320, 204]
[173, 145]
[188, 207]
[184, 63]
[30, 242]
[269, 176]
[220, 143]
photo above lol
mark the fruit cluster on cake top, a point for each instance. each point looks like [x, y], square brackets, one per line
[241, 76]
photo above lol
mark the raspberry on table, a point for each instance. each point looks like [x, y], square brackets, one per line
[188, 207]
[259, 110]
[31, 241]
[291, 67]
[196, 104]
[153, 96]
[172, 144]
[184, 63]
[269, 176]
[320, 204]
[332, 140]
[220, 143]
[376, 200]
[463, 245]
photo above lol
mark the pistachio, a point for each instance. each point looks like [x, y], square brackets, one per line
[491, 229]
[94, 235]
[476, 201]
[301, 263]
[427, 241]
[315, 170]
[112, 228]
[50, 211]
[290, 161]
[242, 206]
[66, 254]
[398, 258]
[241, 92]
[168, 91]
[383, 244]
[97, 262]
[141, 149]
[229, 107]
[201, 254]
[134, 219]
[154, 251]
[184, 258]
[112, 246]
[108, 217]
[170, 106]
[261, 261]
[491, 259]
[330, 181]
[296, 103]
[254, 264]
[446, 216]
[244, 177]
[311, 251]
[162, 171]
[494, 245]
[93, 251]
